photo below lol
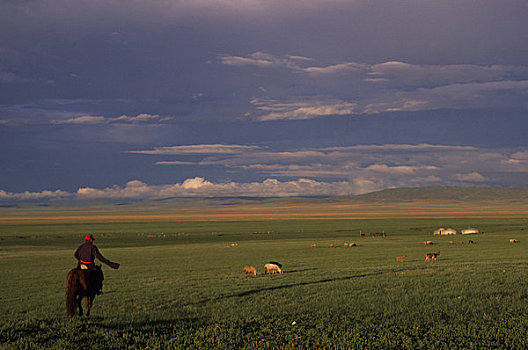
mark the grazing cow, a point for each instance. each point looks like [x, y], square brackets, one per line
[431, 256]
[460, 242]
[250, 270]
[272, 268]
[234, 244]
[401, 258]
[352, 244]
[331, 245]
[428, 242]
[451, 242]
[514, 240]
[471, 242]
[314, 246]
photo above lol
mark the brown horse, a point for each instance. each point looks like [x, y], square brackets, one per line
[82, 284]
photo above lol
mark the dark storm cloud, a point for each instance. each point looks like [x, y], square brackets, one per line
[271, 84]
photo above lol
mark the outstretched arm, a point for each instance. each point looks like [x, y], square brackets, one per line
[101, 258]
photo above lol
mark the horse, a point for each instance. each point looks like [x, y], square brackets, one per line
[273, 267]
[250, 270]
[82, 284]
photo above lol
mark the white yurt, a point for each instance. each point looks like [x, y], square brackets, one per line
[470, 231]
[438, 232]
[448, 232]
[444, 232]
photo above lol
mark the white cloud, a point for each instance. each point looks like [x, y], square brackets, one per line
[263, 60]
[82, 120]
[198, 149]
[337, 68]
[404, 147]
[302, 110]
[95, 120]
[58, 194]
[202, 188]
[470, 177]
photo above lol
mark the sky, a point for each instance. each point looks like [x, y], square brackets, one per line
[151, 99]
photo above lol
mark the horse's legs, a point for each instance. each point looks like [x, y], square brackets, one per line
[88, 305]
[89, 302]
[78, 303]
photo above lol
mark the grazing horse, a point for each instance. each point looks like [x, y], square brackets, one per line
[273, 267]
[250, 270]
[82, 284]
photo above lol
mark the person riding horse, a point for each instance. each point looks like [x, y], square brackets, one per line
[86, 254]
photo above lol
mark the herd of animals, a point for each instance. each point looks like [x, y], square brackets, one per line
[274, 267]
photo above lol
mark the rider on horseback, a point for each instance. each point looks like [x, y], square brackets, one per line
[86, 254]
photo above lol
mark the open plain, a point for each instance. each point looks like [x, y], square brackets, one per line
[182, 285]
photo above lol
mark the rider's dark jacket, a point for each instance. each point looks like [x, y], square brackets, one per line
[87, 252]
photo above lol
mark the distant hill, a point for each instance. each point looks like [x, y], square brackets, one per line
[446, 193]
[430, 195]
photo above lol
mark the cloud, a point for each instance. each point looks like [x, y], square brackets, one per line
[93, 120]
[400, 147]
[400, 169]
[198, 149]
[199, 187]
[320, 171]
[393, 165]
[337, 68]
[405, 74]
[470, 177]
[392, 72]
[82, 120]
[58, 194]
[263, 60]
[522, 155]
[302, 110]
[391, 86]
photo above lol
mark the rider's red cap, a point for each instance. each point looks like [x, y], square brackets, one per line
[89, 237]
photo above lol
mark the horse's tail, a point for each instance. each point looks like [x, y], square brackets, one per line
[71, 284]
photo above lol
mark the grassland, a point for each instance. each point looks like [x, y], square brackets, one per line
[181, 283]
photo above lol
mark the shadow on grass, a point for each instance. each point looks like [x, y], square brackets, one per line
[301, 270]
[285, 286]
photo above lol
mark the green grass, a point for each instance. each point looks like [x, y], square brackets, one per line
[187, 289]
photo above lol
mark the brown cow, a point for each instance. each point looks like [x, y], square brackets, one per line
[401, 258]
